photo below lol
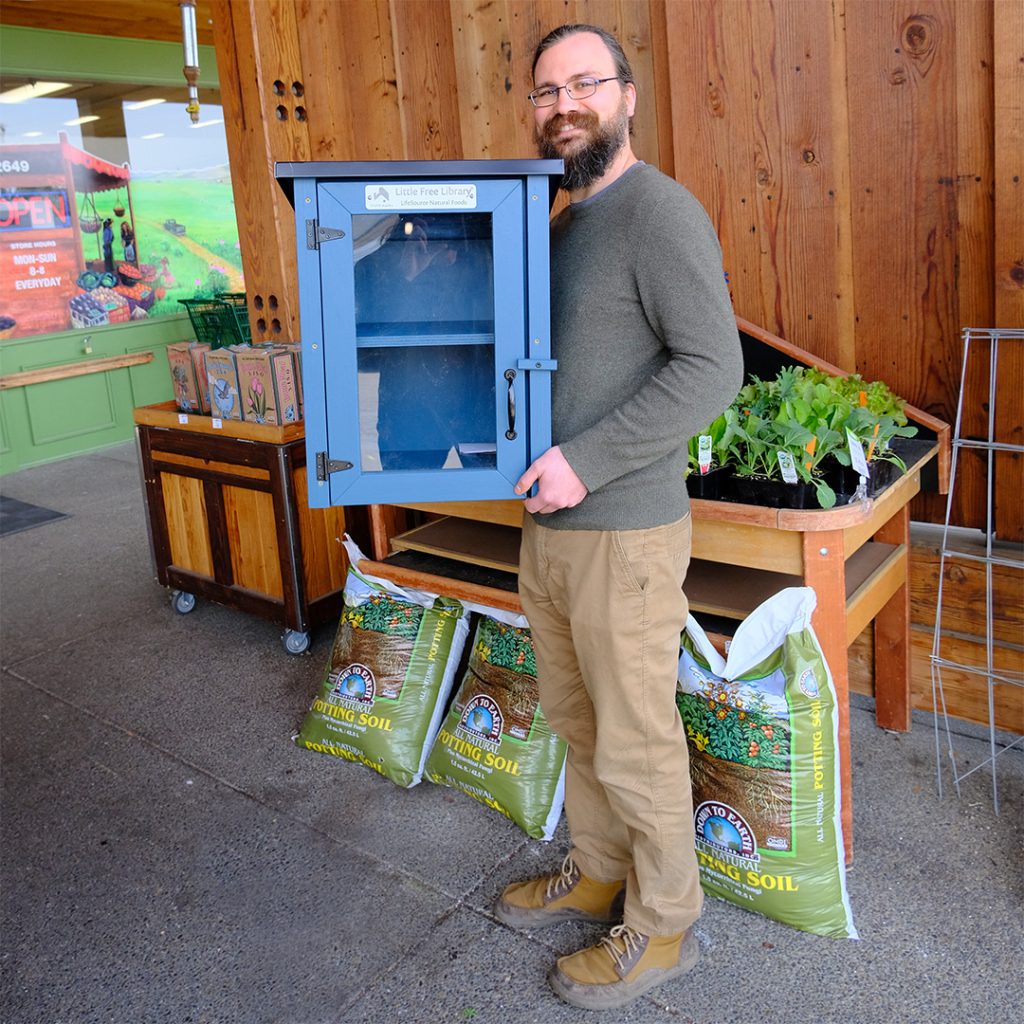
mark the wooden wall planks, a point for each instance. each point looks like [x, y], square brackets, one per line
[860, 161]
[878, 244]
[1009, 257]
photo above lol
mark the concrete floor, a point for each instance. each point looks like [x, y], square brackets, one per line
[170, 855]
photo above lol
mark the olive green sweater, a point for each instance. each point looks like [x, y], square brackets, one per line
[647, 347]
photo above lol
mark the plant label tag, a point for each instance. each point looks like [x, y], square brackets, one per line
[857, 460]
[704, 453]
[182, 417]
[787, 466]
[218, 424]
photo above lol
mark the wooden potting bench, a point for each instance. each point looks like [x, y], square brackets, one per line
[856, 557]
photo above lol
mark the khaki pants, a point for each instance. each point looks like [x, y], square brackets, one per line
[606, 609]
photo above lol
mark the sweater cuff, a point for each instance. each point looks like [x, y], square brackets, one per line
[587, 464]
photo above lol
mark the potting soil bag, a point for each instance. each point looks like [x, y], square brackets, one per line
[389, 677]
[763, 735]
[495, 743]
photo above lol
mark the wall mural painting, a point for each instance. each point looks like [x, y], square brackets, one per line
[86, 240]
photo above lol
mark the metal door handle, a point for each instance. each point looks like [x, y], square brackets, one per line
[510, 376]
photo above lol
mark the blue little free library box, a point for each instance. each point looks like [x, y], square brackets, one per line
[426, 328]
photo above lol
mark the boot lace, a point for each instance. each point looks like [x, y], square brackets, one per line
[561, 883]
[628, 937]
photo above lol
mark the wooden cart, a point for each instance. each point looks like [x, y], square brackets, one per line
[229, 519]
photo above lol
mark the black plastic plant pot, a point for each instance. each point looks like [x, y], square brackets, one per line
[845, 480]
[709, 485]
[882, 474]
[754, 490]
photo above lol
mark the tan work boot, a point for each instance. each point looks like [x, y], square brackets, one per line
[567, 896]
[622, 967]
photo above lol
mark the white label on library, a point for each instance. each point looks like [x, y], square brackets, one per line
[441, 195]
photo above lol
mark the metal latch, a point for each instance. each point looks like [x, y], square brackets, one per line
[316, 234]
[325, 466]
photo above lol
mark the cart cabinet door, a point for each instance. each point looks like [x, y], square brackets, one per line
[424, 327]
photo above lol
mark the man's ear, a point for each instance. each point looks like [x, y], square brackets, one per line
[630, 99]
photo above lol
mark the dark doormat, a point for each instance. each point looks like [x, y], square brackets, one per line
[16, 516]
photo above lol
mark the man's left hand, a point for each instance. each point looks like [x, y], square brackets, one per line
[558, 486]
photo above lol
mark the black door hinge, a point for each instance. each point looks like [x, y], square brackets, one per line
[325, 466]
[316, 234]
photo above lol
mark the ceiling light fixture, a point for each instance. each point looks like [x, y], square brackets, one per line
[31, 91]
[142, 104]
[82, 120]
[206, 124]
[154, 135]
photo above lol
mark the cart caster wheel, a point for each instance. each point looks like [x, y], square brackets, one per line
[295, 642]
[182, 601]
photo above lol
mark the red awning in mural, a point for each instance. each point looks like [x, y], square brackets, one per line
[92, 173]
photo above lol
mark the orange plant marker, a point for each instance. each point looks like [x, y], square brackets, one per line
[871, 447]
[809, 448]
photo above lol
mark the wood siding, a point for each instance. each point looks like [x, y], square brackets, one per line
[855, 157]
[861, 159]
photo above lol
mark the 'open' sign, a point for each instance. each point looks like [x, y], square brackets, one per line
[34, 211]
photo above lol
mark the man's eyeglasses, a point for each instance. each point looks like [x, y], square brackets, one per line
[576, 89]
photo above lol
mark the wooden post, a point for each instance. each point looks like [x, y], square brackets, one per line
[892, 639]
[825, 571]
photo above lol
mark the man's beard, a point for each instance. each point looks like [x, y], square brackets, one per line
[601, 145]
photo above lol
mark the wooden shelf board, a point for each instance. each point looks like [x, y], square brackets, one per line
[488, 544]
[868, 596]
[167, 415]
[733, 592]
[745, 544]
[873, 573]
[505, 512]
[440, 580]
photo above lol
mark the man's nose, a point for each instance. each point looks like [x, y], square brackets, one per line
[564, 102]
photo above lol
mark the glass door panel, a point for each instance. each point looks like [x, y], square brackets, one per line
[424, 319]
[423, 314]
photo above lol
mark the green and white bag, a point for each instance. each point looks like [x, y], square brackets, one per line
[495, 744]
[763, 735]
[389, 677]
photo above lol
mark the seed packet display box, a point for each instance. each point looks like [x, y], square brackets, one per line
[229, 520]
[855, 556]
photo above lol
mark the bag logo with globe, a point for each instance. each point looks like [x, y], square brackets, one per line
[482, 722]
[353, 687]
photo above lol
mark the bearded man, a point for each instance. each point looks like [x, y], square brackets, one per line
[648, 354]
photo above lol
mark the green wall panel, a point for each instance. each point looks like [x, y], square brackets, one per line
[71, 410]
[56, 419]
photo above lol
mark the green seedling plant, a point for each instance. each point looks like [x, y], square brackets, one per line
[719, 452]
[806, 412]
